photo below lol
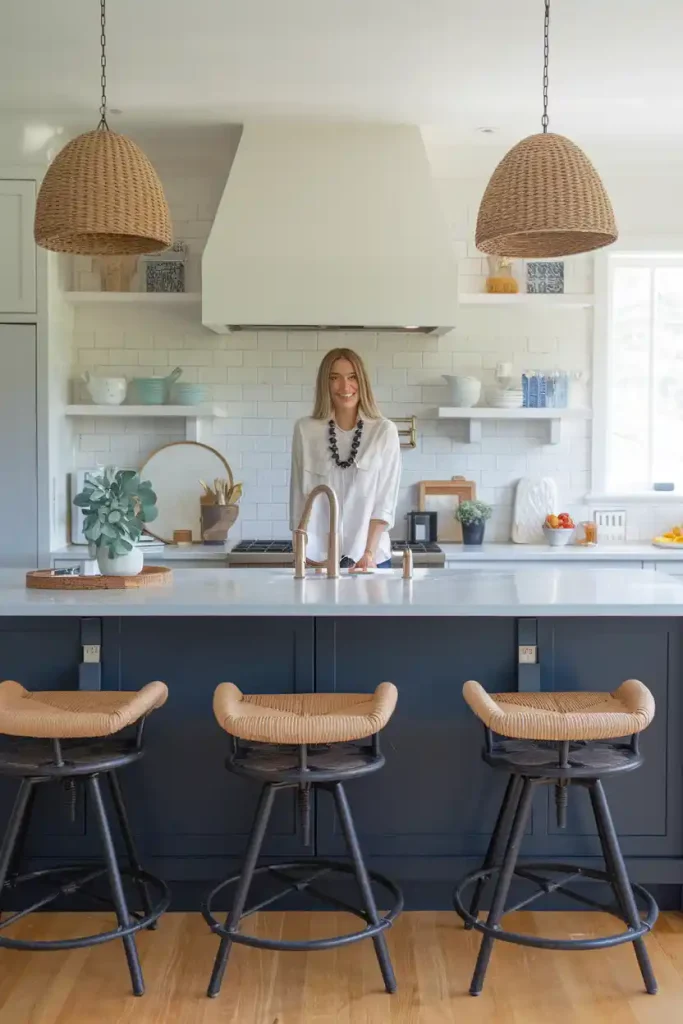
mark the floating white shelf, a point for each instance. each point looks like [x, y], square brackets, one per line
[525, 299]
[197, 417]
[475, 417]
[146, 410]
[143, 298]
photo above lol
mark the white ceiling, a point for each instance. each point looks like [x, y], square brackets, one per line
[616, 67]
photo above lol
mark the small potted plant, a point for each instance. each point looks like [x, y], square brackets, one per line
[116, 505]
[472, 516]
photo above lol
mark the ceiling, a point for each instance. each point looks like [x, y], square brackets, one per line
[616, 71]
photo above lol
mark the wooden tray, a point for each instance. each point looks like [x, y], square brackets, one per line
[151, 576]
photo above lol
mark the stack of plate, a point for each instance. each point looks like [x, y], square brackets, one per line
[505, 398]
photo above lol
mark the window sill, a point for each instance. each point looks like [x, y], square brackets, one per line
[638, 498]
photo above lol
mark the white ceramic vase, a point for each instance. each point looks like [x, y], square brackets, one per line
[123, 565]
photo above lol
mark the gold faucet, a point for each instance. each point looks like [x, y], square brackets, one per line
[300, 535]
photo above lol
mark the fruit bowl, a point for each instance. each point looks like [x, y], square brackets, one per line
[558, 536]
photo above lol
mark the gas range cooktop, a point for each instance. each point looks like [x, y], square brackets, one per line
[281, 553]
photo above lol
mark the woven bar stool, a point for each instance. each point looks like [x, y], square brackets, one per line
[304, 741]
[75, 737]
[560, 740]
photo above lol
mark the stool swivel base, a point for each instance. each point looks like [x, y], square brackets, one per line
[532, 764]
[79, 763]
[305, 768]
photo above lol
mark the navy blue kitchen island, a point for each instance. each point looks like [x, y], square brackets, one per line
[426, 818]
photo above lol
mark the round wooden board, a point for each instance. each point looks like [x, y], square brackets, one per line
[151, 576]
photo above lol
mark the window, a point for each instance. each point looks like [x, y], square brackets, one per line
[640, 381]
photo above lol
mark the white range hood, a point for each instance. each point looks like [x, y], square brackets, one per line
[329, 226]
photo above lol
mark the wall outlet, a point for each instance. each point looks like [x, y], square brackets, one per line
[611, 524]
[528, 654]
[91, 654]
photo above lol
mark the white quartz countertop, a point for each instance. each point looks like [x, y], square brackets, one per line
[439, 592]
[643, 552]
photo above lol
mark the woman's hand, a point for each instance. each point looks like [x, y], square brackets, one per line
[367, 561]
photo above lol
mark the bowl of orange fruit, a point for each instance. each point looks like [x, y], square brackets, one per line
[673, 538]
[558, 530]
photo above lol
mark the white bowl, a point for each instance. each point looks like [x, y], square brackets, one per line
[465, 391]
[557, 538]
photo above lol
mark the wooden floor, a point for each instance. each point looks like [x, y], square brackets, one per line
[433, 957]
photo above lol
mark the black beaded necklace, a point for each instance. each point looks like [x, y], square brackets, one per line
[355, 445]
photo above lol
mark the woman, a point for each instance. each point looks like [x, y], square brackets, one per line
[349, 445]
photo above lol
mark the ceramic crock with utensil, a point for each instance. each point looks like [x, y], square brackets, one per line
[105, 390]
[465, 391]
[152, 390]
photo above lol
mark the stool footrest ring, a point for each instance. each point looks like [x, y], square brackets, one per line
[313, 865]
[87, 873]
[523, 871]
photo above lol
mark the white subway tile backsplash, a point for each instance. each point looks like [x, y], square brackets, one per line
[228, 357]
[258, 358]
[288, 358]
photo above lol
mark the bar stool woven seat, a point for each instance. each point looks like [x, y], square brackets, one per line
[306, 743]
[569, 741]
[564, 716]
[79, 739]
[303, 717]
[70, 714]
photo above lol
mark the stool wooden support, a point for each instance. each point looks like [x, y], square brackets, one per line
[307, 742]
[77, 738]
[562, 740]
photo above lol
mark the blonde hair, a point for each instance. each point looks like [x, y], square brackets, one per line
[323, 408]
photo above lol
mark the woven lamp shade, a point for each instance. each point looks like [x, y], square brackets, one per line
[101, 196]
[544, 198]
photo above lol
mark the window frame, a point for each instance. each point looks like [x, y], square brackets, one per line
[647, 251]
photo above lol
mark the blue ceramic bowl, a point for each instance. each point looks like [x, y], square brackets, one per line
[188, 394]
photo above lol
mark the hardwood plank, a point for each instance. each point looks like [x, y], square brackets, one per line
[433, 957]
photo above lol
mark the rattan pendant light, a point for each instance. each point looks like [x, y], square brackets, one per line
[101, 194]
[545, 198]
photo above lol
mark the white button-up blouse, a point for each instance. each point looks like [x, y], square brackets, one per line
[367, 490]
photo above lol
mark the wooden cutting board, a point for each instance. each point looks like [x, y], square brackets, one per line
[443, 497]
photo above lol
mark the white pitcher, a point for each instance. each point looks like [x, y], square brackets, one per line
[106, 390]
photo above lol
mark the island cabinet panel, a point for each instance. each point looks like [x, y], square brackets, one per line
[188, 811]
[434, 797]
[43, 654]
[599, 654]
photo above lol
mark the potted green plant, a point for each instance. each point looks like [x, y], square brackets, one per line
[116, 505]
[472, 516]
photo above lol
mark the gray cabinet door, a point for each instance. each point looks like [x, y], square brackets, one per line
[19, 447]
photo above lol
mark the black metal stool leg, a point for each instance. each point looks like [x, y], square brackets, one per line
[258, 831]
[498, 839]
[129, 843]
[614, 862]
[118, 895]
[503, 884]
[15, 826]
[18, 852]
[379, 941]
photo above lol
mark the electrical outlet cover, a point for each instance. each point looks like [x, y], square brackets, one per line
[611, 524]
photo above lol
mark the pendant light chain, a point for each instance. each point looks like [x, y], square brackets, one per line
[546, 52]
[103, 63]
